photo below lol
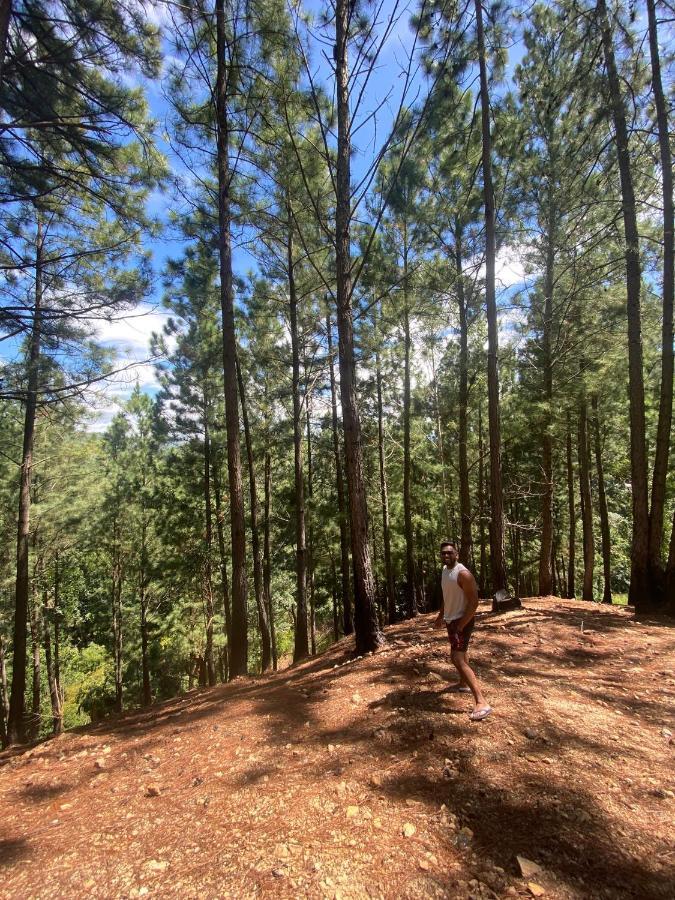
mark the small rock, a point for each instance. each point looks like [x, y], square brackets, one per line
[197, 781]
[424, 865]
[408, 829]
[99, 763]
[527, 867]
[377, 822]
[535, 889]
[153, 790]
[278, 873]
[666, 732]
[376, 781]
[352, 812]
[356, 698]
[530, 733]
[157, 865]
[281, 851]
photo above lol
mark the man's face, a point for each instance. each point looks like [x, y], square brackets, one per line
[449, 555]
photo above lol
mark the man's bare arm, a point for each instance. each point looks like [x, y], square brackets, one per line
[468, 584]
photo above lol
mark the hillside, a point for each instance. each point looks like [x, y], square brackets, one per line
[359, 778]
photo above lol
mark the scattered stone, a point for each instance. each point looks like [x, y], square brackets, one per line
[376, 780]
[530, 734]
[424, 865]
[377, 822]
[356, 698]
[99, 763]
[153, 790]
[156, 865]
[527, 867]
[352, 812]
[278, 873]
[281, 851]
[535, 889]
[408, 829]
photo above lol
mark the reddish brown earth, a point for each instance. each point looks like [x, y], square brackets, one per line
[365, 778]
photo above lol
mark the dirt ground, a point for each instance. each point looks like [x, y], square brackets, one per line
[360, 778]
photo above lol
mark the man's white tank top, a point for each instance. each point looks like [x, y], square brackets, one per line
[454, 600]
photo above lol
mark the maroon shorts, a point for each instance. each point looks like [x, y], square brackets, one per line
[459, 640]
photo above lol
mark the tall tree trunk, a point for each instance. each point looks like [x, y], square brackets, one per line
[411, 595]
[208, 541]
[441, 444]
[368, 634]
[301, 646]
[602, 506]
[143, 591]
[263, 621]
[670, 572]
[571, 574]
[238, 656]
[116, 610]
[386, 537]
[36, 634]
[545, 567]
[310, 529]
[465, 544]
[57, 626]
[586, 504]
[16, 720]
[220, 531]
[267, 562]
[347, 618]
[639, 592]
[497, 558]
[54, 694]
[666, 397]
[482, 577]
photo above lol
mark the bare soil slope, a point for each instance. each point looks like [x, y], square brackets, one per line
[364, 778]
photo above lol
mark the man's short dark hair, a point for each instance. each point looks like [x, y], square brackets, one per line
[448, 544]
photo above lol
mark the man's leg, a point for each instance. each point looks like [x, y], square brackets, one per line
[468, 677]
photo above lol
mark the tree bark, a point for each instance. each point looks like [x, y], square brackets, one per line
[267, 570]
[54, 695]
[208, 541]
[238, 654]
[310, 529]
[301, 646]
[144, 598]
[482, 577]
[497, 557]
[411, 593]
[347, 618]
[571, 575]
[4, 700]
[16, 719]
[263, 622]
[602, 506]
[386, 537]
[220, 531]
[36, 634]
[639, 591]
[545, 567]
[666, 395]
[586, 505]
[466, 542]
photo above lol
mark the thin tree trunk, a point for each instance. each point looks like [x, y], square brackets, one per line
[386, 537]
[208, 541]
[411, 604]
[310, 529]
[466, 542]
[482, 578]
[301, 645]
[586, 505]
[441, 444]
[143, 585]
[220, 531]
[57, 627]
[267, 570]
[545, 568]
[263, 622]
[670, 572]
[602, 506]
[16, 719]
[639, 591]
[54, 695]
[36, 634]
[116, 604]
[571, 575]
[4, 700]
[368, 634]
[347, 618]
[497, 557]
[336, 605]
[238, 661]
[666, 396]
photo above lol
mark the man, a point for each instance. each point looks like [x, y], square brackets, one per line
[458, 609]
